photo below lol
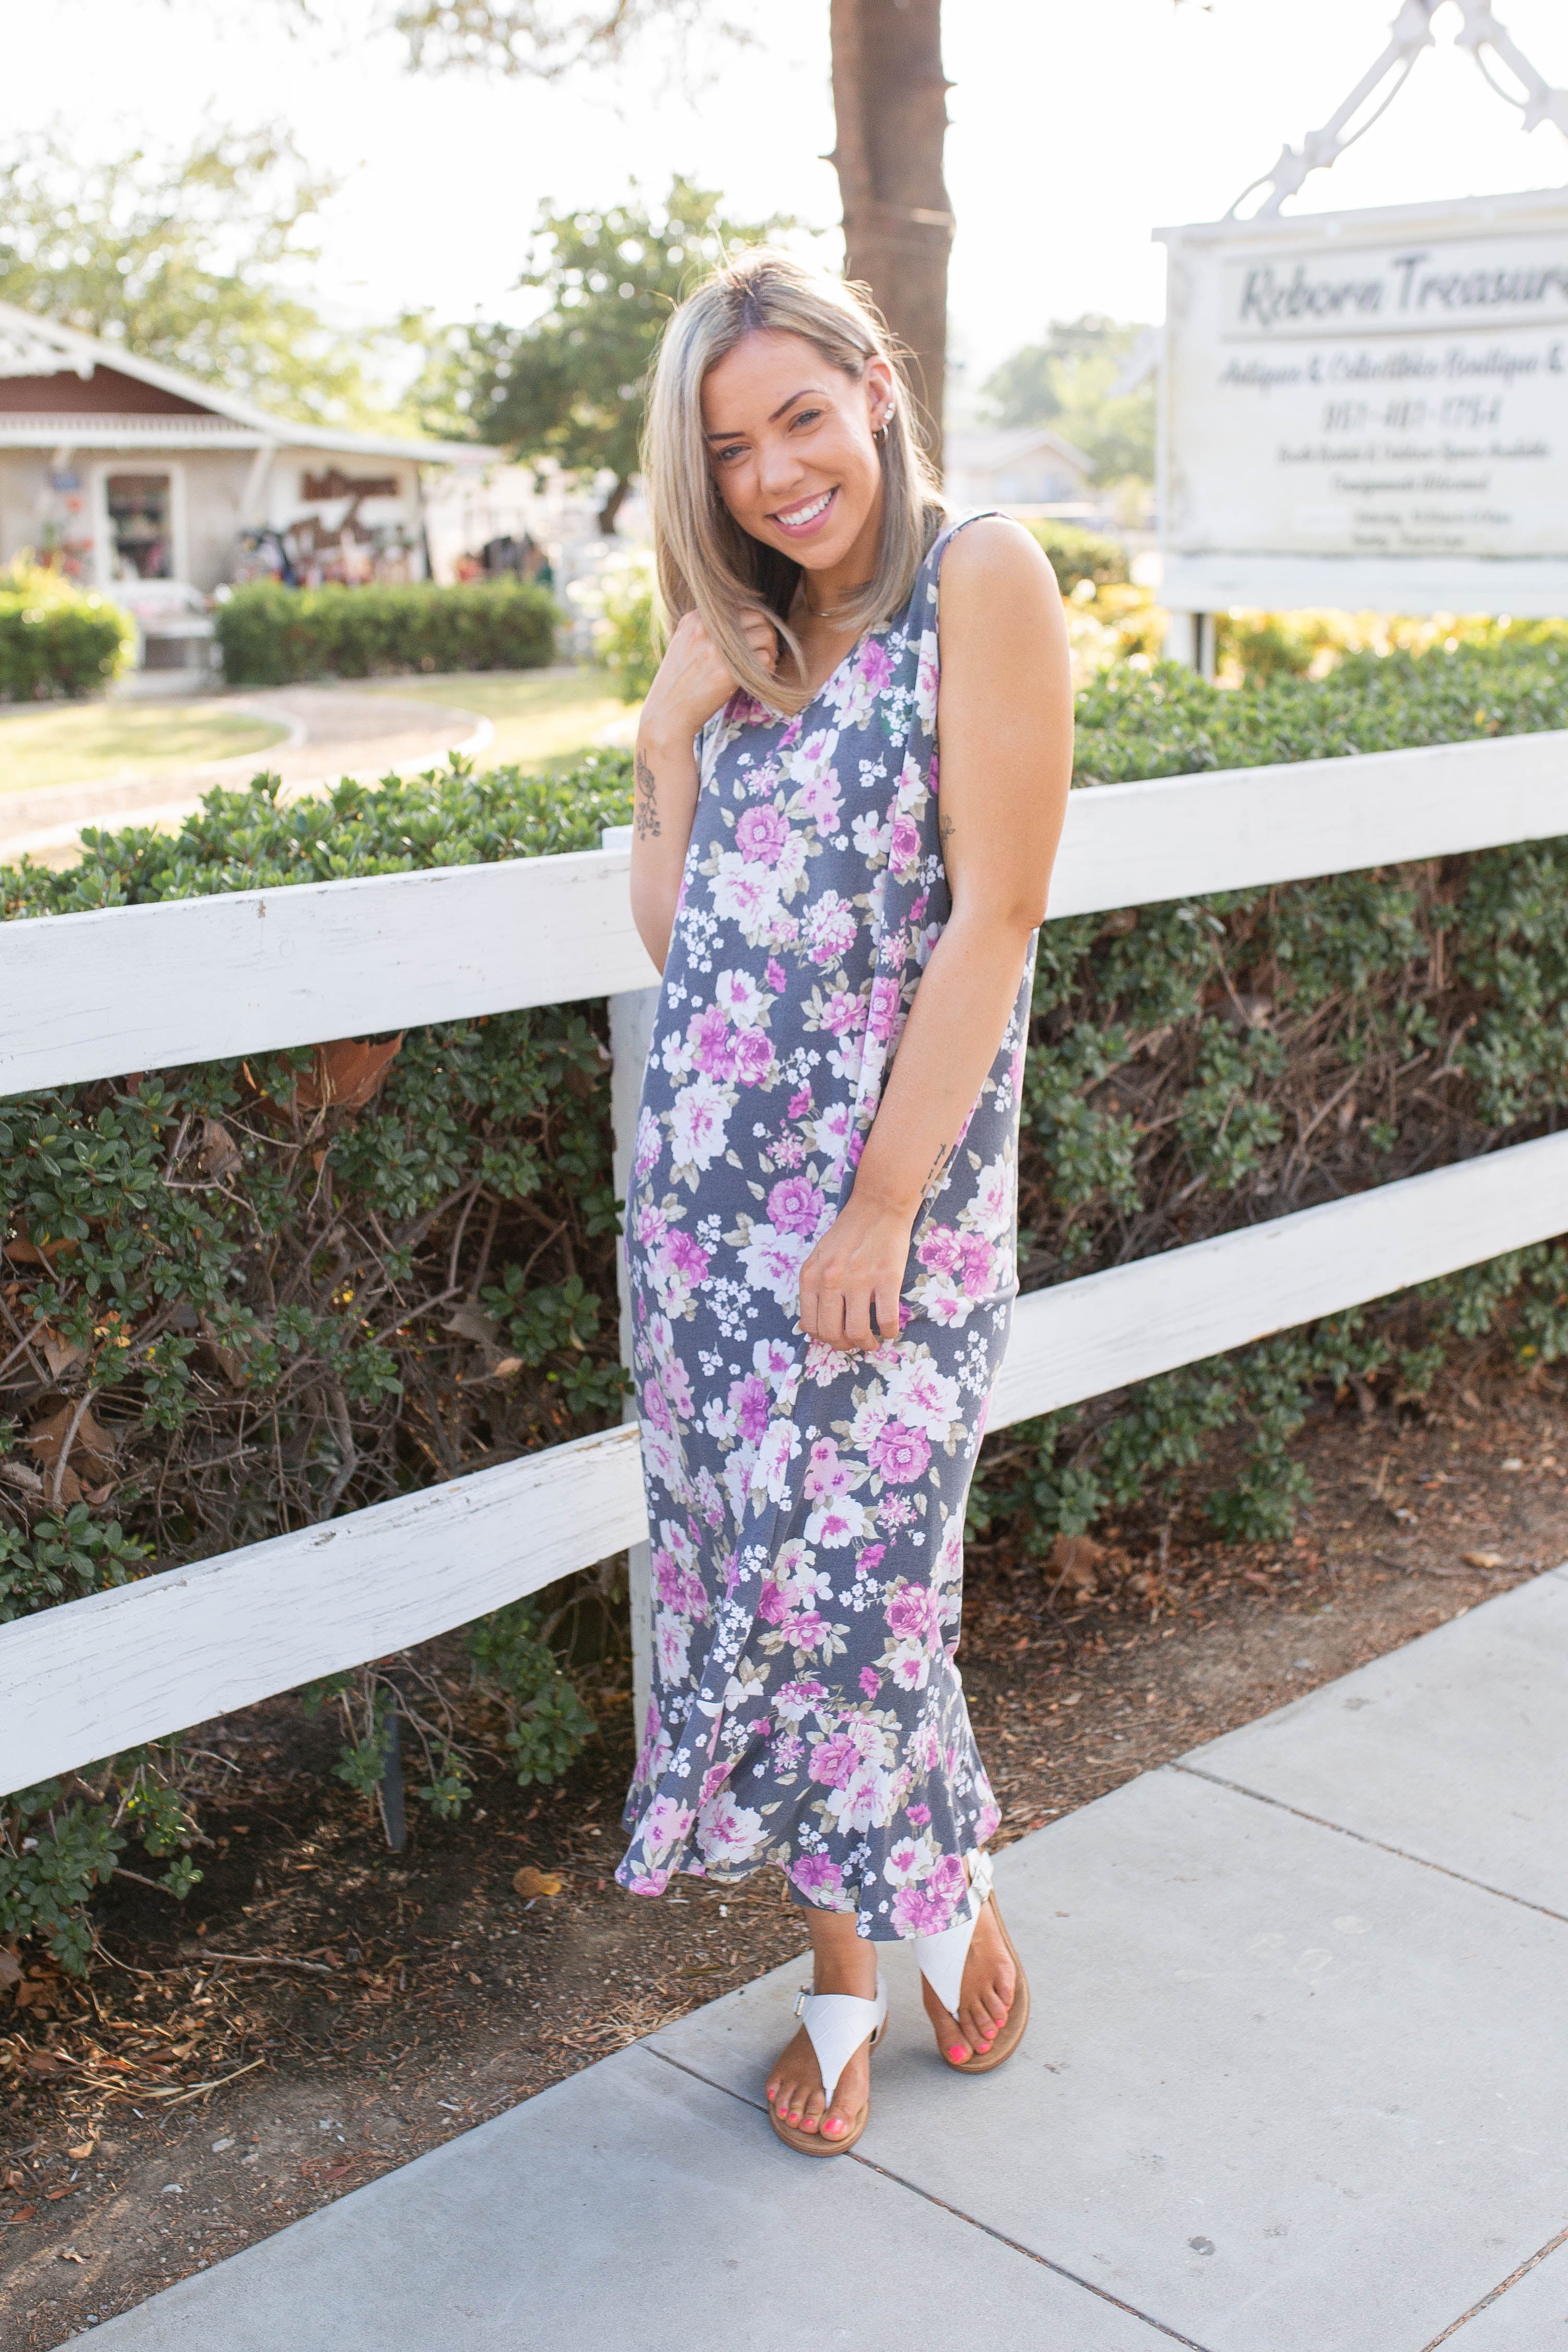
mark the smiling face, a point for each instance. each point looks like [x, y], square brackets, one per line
[790, 442]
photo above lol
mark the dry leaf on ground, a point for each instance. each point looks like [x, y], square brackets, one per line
[529, 1882]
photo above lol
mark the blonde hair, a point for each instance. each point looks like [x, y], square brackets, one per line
[706, 562]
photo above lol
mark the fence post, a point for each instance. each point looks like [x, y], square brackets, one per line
[1190, 639]
[631, 1035]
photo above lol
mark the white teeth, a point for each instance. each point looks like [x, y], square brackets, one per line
[798, 515]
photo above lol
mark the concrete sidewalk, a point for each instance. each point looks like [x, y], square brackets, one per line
[1296, 2082]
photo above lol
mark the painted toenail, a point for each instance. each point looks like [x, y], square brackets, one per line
[833, 2124]
[958, 2052]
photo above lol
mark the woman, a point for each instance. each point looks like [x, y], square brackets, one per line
[821, 1223]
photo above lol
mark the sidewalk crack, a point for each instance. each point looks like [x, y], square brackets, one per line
[1422, 1861]
[1043, 2261]
[1488, 2300]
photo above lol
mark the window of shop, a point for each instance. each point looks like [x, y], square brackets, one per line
[141, 527]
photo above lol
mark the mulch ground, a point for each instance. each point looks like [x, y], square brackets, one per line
[322, 2010]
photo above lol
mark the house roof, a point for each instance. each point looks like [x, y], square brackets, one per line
[197, 416]
[986, 450]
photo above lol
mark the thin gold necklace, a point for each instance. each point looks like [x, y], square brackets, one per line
[830, 611]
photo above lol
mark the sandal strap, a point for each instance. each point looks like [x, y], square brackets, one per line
[941, 1957]
[836, 2023]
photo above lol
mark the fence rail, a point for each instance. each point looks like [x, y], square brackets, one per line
[93, 995]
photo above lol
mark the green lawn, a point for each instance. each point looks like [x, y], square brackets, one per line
[543, 717]
[98, 742]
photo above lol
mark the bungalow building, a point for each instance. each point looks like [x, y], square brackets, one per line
[139, 480]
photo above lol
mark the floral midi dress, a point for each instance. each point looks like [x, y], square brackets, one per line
[805, 1506]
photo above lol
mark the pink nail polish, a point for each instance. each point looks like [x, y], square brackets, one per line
[833, 2124]
[958, 2053]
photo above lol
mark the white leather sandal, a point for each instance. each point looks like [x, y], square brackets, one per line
[941, 1959]
[836, 2023]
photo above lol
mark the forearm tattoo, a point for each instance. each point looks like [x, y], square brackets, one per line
[646, 811]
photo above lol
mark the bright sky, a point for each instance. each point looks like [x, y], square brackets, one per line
[1077, 126]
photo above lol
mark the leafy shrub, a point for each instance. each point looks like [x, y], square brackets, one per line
[622, 602]
[57, 639]
[254, 1293]
[290, 1287]
[272, 636]
[1077, 555]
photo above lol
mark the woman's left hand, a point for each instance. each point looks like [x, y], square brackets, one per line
[857, 1267]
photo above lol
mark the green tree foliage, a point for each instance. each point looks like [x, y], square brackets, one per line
[569, 386]
[195, 259]
[1068, 381]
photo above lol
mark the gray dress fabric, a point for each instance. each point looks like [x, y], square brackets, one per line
[805, 1506]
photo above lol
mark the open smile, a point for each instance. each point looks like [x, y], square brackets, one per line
[808, 516]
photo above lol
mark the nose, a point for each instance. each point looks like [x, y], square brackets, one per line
[779, 473]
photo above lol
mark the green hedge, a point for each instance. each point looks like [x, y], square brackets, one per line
[1076, 554]
[272, 636]
[288, 1307]
[56, 639]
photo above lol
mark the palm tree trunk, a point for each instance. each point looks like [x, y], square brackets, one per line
[889, 95]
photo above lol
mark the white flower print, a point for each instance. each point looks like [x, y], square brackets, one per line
[697, 1121]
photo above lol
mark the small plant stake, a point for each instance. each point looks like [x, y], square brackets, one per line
[391, 1790]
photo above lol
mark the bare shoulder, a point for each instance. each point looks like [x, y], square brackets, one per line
[993, 571]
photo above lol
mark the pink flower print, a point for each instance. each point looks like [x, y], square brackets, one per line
[977, 1262]
[789, 1151]
[899, 1452]
[754, 1057]
[791, 1700]
[920, 1815]
[870, 1683]
[825, 1473]
[650, 1227]
[776, 976]
[688, 1256]
[987, 1822]
[884, 1008]
[738, 995]
[815, 1875]
[835, 1760]
[771, 1605]
[896, 1511]
[799, 1103]
[905, 848]
[654, 1407]
[676, 1382]
[787, 1750]
[665, 1824]
[649, 1144]
[857, 1146]
[652, 1882]
[868, 1562]
[917, 1911]
[761, 835]
[794, 1205]
[749, 1402]
[949, 1879]
[844, 1012]
[874, 666]
[939, 1250]
[713, 1780]
[830, 928]
[707, 1035]
[910, 1613]
[821, 799]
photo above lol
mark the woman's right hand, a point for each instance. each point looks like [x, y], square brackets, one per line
[694, 680]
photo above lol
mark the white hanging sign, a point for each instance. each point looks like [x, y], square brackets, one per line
[1369, 409]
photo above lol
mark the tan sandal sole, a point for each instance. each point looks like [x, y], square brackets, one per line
[806, 2142]
[1012, 2033]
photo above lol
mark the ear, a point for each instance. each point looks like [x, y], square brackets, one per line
[878, 385]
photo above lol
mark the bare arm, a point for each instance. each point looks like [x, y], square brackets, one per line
[1004, 720]
[691, 685]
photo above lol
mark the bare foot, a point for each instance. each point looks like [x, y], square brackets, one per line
[990, 1982]
[794, 2087]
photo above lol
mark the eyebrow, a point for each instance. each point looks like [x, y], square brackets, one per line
[772, 419]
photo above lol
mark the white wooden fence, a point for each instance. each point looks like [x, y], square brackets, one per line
[95, 995]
